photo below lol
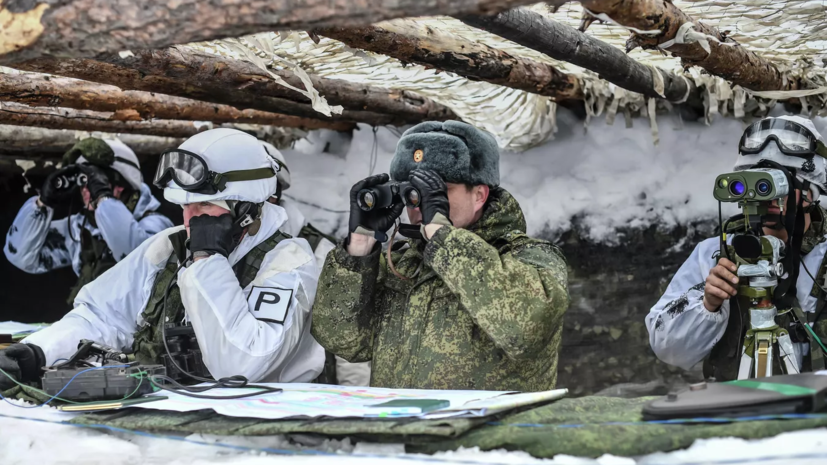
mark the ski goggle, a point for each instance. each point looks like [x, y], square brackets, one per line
[192, 174]
[792, 138]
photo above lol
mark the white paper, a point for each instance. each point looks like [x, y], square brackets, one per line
[304, 400]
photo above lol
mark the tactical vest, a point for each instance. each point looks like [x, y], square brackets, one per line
[95, 259]
[148, 344]
[313, 236]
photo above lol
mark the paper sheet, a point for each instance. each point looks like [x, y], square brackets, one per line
[301, 400]
[15, 328]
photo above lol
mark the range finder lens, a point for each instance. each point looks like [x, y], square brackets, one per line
[763, 187]
[737, 188]
[723, 183]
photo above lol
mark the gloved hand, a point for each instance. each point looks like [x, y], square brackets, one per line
[24, 362]
[59, 186]
[434, 197]
[214, 234]
[372, 223]
[96, 181]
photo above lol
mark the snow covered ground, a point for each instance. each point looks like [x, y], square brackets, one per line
[608, 176]
[40, 440]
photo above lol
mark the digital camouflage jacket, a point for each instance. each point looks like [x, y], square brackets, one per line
[485, 310]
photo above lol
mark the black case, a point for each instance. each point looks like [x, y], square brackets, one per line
[774, 395]
[104, 384]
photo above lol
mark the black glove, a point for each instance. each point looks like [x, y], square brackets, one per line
[23, 362]
[376, 221]
[96, 181]
[434, 196]
[59, 186]
[214, 234]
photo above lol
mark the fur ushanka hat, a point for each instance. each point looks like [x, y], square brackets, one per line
[458, 152]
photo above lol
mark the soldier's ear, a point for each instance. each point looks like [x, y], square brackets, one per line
[480, 194]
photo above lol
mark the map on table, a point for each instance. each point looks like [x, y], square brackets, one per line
[304, 400]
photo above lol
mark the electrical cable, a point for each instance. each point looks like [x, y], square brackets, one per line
[234, 382]
[56, 396]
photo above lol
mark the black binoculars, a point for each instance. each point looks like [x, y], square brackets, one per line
[69, 181]
[390, 193]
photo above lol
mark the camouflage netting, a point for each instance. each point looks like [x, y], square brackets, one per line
[570, 426]
[790, 33]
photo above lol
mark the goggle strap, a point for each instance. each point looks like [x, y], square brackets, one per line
[821, 150]
[247, 175]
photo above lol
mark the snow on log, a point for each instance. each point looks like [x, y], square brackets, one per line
[727, 60]
[218, 79]
[566, 43]
[87, 28]
[412, 42]
[51, 91]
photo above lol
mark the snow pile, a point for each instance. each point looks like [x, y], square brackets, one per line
[600, 179]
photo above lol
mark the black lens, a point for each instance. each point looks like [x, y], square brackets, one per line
[366, 200]
[763, 187]
[737, 188]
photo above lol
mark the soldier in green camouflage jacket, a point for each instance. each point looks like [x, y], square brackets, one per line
[471, 302]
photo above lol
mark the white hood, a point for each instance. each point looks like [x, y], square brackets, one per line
[227, 150]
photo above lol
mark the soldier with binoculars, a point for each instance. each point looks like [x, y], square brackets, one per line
[469, 301]
[118, 213]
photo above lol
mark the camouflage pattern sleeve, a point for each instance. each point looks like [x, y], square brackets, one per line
[344, 302]
[517, 298]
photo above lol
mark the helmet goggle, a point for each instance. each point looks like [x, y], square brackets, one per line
[790, 137]
[192, 174]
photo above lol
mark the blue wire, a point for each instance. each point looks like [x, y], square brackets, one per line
[64, 387]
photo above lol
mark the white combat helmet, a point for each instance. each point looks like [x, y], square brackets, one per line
[217, 165]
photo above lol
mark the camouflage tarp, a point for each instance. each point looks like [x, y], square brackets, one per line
[578, 427]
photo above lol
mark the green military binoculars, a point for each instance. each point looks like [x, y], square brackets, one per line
[385, 195]
[755, 185]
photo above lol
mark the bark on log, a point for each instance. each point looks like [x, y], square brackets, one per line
[733, 63]
[411, 42]
[86, 28]
[190, 74]
[39, 90]
[566, 43]
[51, 144]
[83, 120]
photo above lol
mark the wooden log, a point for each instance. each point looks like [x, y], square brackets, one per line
[17, 114]
[51, 91]
[210, 78]
[731, 62]
[566, 43]
[86, 28]
[37, 143]
[412, 42]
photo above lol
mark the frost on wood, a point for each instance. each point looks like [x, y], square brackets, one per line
[86, 28]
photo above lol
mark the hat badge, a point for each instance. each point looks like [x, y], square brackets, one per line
[418, 154]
